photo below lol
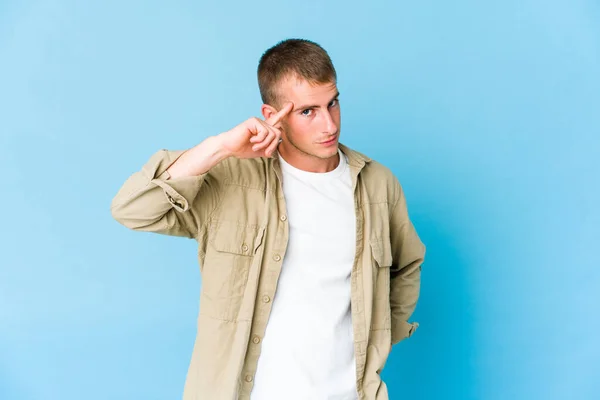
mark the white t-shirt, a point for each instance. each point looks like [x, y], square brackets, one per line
[308, 348]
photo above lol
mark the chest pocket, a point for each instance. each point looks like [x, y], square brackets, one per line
[381, 252]
[229, 255]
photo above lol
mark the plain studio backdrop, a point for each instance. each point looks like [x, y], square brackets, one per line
[488, 113]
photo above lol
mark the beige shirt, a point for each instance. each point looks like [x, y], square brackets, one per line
[237, 213]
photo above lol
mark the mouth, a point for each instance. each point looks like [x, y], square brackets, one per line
[329, 142]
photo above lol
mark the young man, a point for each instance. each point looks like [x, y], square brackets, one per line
[310, 264]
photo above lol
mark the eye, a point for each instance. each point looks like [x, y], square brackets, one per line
[334, 103]
[306, 112]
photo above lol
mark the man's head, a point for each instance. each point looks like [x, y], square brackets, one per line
[301, 72]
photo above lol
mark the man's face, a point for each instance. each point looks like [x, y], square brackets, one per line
[311, 130]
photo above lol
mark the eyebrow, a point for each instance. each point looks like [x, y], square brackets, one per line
[306, 107]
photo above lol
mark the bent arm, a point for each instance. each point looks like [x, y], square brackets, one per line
[408, 253]
[173, 193]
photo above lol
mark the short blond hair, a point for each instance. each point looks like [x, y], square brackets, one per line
[303, 58]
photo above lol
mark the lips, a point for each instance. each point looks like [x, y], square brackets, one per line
[329, 141]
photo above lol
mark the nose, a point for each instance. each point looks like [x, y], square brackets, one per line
[330, 126]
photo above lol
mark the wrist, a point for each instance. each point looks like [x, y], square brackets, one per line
[219, 150]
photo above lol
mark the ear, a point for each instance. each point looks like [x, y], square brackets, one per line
[268, 111]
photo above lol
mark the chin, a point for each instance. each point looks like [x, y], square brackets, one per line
[328, 153]
[333, 150]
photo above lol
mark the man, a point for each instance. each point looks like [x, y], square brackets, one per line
[310, 264]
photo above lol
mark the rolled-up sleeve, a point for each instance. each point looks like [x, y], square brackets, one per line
[151, 201]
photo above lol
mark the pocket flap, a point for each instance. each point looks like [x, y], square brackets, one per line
[231, 237]
[382, 252]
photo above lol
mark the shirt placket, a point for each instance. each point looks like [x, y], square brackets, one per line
[277, 234]
[357, 290]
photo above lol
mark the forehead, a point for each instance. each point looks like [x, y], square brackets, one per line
[299, 90]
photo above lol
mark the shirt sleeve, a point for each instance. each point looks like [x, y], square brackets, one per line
[408, 253]
[151, 201]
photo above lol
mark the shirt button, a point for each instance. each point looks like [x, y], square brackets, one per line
[256, 339]
[266, 299]
[248, 378]
[277, 257]
[245, 247]
[283, 217]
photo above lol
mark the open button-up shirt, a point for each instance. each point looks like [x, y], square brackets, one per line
[237, 214]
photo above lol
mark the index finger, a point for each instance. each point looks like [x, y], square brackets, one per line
[274, 120]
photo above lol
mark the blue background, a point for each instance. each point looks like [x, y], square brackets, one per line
[488, 112]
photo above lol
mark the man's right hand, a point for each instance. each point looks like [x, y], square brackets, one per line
[250, 139]
[254, 137]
